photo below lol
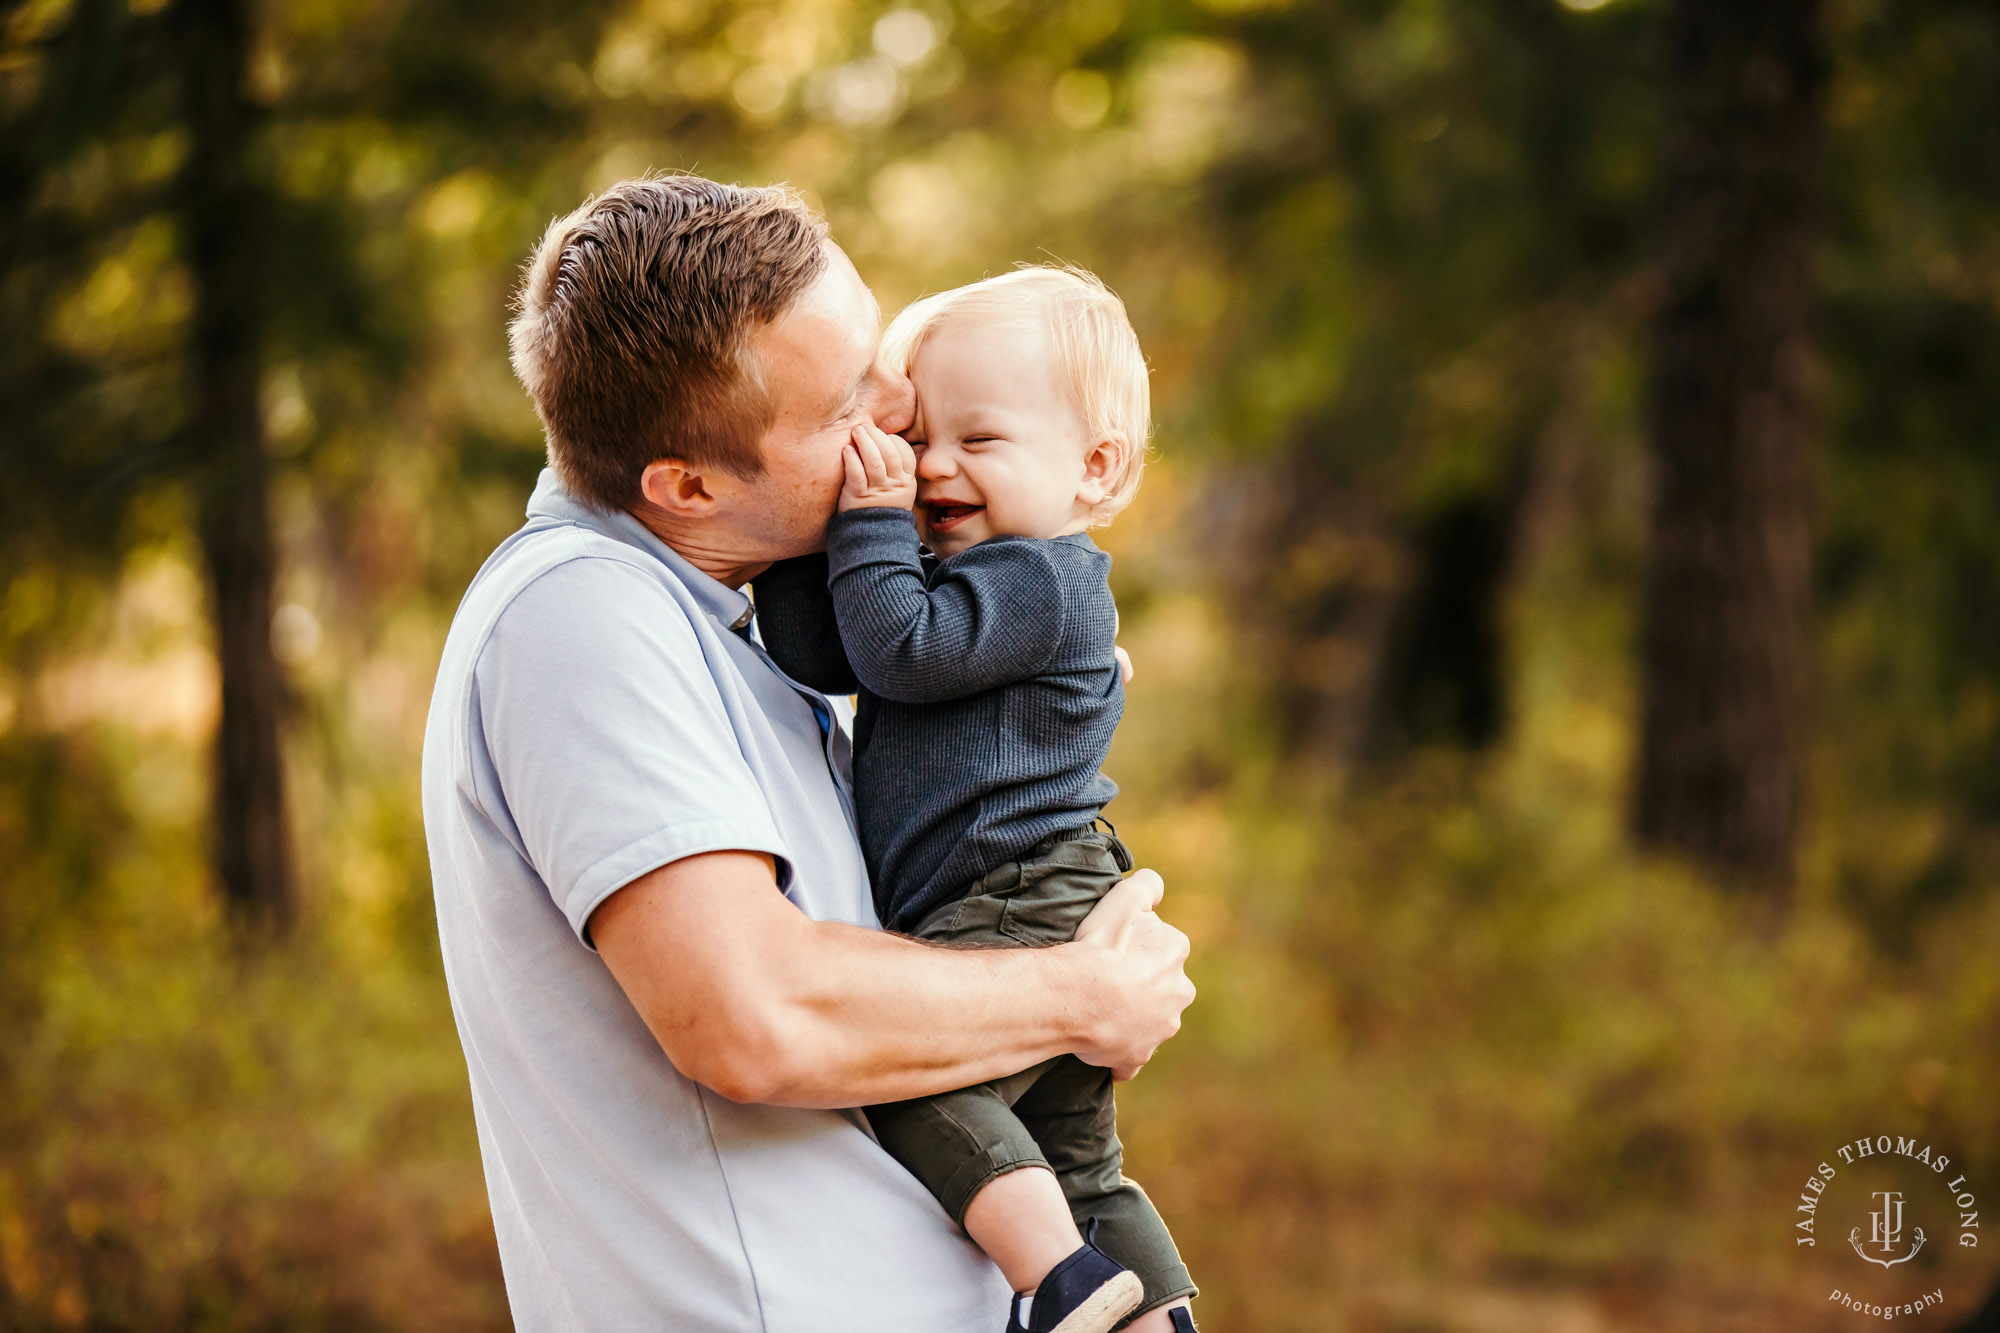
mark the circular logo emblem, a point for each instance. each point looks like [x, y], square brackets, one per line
[1885, 1224]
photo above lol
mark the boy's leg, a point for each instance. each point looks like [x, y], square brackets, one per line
[1037, 901]
[956, 1142]
[1040, 901]
[1067, 1107]
[970, 1150]
[1069, 1112]
[1174, 1317]
[1023, 1223]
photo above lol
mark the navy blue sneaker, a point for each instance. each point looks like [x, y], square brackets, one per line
[1089, 1292]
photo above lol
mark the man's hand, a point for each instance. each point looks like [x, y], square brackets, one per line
[881, 471]
[1143, 989]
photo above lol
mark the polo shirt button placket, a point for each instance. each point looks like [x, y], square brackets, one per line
[741, 628]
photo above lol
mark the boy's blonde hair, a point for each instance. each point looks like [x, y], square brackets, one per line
[1097, 354]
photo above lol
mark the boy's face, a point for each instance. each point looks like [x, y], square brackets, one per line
[1000, 448]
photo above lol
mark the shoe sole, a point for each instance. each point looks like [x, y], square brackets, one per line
[1105, 1306]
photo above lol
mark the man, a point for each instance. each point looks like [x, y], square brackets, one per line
[656, 925]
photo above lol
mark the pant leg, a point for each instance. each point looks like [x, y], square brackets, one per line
[1063, 1108]
[1070, 1114]
[956, 1142]
[1036, 901]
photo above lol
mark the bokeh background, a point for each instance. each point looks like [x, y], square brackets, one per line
[1519, 1010]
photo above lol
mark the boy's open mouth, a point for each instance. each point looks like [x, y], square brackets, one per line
[946, 516]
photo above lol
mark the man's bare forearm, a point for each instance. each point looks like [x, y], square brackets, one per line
[878, 1018]
[749, 996]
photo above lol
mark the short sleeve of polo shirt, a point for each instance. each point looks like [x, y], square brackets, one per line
[607, 735]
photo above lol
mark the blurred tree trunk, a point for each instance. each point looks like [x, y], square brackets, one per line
[1328, 572]
[1443, 675]
[225, 217]
[1727, 593]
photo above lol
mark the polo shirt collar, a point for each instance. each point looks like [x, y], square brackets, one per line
[729, 606]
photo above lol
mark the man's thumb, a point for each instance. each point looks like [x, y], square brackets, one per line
[1128, 900]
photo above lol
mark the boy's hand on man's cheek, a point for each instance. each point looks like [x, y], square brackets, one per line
[881, 471]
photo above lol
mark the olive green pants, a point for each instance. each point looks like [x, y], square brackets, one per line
[1057, 1115]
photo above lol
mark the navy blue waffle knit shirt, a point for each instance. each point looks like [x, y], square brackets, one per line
[988, 688]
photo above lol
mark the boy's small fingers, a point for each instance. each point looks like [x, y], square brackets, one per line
[850, 463]
[897, 456]
[871, 456]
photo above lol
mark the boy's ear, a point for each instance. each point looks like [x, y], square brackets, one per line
[675, 489]
[1102, 467]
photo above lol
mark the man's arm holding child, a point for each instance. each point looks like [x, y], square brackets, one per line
[749, 996]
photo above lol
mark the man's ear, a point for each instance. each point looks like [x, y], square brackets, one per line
[676, 489]
[1102, 467]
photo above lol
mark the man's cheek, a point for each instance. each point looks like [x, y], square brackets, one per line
[820, 469]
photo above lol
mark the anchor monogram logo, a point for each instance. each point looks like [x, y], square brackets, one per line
[1885, 1231]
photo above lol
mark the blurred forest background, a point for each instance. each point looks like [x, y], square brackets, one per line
[1566, 604]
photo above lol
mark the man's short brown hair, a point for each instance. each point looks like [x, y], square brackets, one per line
[633, 325]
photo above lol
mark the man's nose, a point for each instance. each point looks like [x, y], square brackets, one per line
[893, 400]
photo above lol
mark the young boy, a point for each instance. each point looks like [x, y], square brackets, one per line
[988, 694]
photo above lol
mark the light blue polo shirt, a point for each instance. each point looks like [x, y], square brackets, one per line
[595, 717]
